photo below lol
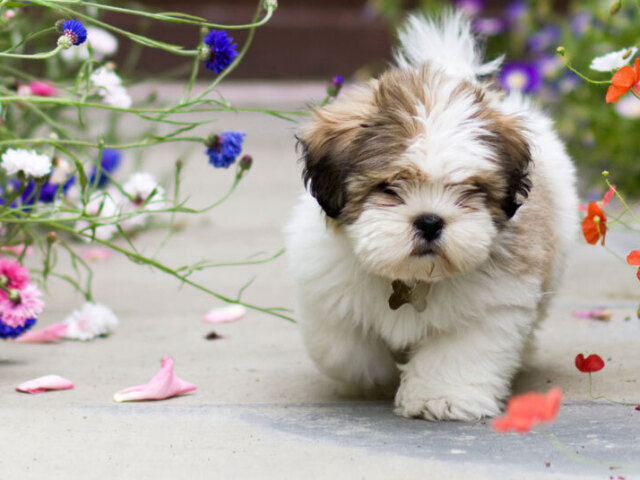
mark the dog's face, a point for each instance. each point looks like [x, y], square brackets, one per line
[418, 170]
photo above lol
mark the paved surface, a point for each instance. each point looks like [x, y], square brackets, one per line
[261, 409]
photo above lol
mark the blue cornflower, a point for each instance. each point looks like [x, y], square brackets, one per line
[48, 192]
[335, 86]
[109, 162]
[222, 50]
[12, 332]
[74, 31]
[225, 148]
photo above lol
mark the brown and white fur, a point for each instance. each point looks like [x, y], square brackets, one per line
[430, 138]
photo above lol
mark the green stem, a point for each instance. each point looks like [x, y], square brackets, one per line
[33, 56]
[603, 397]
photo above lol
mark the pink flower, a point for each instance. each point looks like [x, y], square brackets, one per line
[594, 314]
[97, 254]
[163, 385]
[225, 314]
[17, 249]
[15, 275]
[49, 334]
[28, 305]
[43, 384]
[42, 89]
[606, 199]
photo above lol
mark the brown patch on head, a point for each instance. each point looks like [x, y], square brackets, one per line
[354, 144]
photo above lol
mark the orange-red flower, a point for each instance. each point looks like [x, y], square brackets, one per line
[593, 363]
[594, 225]
[528, 410]
[622, 81]
[634, 259]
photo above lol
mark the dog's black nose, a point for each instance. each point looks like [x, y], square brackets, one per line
[429, 225]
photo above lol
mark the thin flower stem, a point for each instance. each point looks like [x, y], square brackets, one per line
[603, 397]
[584, 77]
[166, 17]
[136, 257]
[623, 201]
[82, 143]
[33, 56]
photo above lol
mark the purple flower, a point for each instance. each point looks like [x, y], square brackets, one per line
[515, 11]
[7, 331]
[521, 76]
[48, 192]
[544, 39]
[224, 148]
[488, 26]
[470, 7]
[222, 50]
[335, 86]
[74, 31]
[109, 162]
[580, 22]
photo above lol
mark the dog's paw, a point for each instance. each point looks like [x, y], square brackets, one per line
[445, 403]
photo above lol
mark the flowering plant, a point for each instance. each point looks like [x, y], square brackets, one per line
[598, 136]
[62, 154]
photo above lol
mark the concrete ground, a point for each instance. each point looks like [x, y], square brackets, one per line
[261, 409]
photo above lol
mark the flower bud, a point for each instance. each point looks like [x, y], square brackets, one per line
[52, 237]
[65, 42]
[335, 86]
[270, 4]
[615, 7]
[14, 295]
[4, 280]
[204, 52]
[605, 173]
[245, 162]
[560, 50]
[59, 24]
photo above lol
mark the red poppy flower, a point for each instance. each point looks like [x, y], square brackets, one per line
[528, 410]
[634, 259]
[592, 363]
[594, 225]
[606, 199]
[622, 81]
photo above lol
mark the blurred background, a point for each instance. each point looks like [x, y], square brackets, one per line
[316, 39]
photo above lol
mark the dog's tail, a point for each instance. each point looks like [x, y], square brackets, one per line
[446, 41]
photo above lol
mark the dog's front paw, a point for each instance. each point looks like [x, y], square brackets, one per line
[417, 399]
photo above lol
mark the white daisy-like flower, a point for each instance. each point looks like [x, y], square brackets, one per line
[110, 88]
[91, 321]
[61, 172]
[102, 42]
[139, 187]
[614, 60]
[102, 205]
[32, 163]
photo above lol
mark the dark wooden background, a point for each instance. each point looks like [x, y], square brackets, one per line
[306, 39]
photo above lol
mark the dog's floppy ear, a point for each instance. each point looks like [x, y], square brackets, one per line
[327, 143]
[514, 156]
[325, 177]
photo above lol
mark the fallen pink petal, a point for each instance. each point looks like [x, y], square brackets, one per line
[45, 384]
[52, 333]
[97, 254]
[594, 314]
[164, 384]
[228, 314]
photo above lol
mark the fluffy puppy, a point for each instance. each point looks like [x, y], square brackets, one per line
[434, 232]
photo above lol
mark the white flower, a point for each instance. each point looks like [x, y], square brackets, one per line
[628, 107]
[118, 97]
[102, 205]
[110, 88]
[139, 187]
[614, 60]
[102, 42]
[31, 163]
[91, 321]
[61, 172]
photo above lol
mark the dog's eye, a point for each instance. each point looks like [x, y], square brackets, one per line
[390, 191]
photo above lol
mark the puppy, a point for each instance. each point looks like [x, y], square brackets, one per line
[439, 214]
